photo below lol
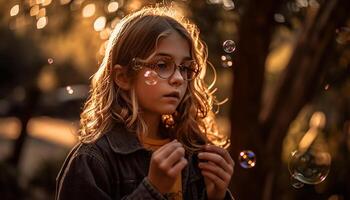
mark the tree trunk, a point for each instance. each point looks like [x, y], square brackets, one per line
[254, 38]
[300, 79]
[24, 113]
[296, 87]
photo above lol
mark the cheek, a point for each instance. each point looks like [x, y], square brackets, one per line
[184, 89]
[145, 93]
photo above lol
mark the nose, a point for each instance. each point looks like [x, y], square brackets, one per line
[176, 79]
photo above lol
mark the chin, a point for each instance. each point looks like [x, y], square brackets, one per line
[168, 111]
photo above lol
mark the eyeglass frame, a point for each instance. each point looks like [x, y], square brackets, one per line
[138, 64]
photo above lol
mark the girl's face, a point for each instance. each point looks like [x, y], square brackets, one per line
[166, 94]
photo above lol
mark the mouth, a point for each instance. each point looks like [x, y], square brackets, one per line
[173, 95]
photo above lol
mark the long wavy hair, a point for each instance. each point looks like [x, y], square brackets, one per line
[136, 35]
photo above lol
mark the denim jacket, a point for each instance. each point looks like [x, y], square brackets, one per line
[116, 167]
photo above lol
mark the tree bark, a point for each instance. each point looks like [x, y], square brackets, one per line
[255, 33]
[296, 87]
[300, 79]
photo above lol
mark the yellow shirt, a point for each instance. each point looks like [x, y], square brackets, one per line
[154, 144]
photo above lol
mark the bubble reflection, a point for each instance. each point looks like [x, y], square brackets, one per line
[50, 61]
[151, 77]
[229, 46]
[247, 159]
[295, 183]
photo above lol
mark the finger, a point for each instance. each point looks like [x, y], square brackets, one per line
[164, 151]
[218, 171]
[174, 157]
[217, 159]
[166, 145]
[215, 179]
[178, 167]
[223, 152]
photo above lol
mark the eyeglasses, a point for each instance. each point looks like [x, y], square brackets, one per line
[166, 67]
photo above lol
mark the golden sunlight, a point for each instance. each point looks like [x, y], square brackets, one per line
[100, 23]
[46, 2]
[42, 22]
[34, 10]
[89, 10]
[10, 127]
[53, 130]
[14, 10]
[113, 6]
[278, 58]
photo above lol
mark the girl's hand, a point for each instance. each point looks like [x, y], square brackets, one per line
[217, 170]
[166, 164]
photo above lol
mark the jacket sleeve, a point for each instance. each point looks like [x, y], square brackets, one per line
[228, 195]
[84, 177]
[145, 191]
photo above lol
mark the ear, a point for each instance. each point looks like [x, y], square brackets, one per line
[120, 77]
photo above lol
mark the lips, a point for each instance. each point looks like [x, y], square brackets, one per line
[173, 95]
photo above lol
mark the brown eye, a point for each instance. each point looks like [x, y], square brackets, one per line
[161, 64]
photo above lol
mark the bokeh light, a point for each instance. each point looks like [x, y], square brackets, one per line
[100, 23]
[14, 10]
[42, 22]
[89, 10]
[112, 6]
[34, 10]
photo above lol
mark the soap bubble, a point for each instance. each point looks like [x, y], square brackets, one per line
[326, 87]
[229, 46]
[69, 90]
[226, 61]
[151, 77]
[247, 159]
[310, 163]
[310, 167]
[343, 35]
[50, 61]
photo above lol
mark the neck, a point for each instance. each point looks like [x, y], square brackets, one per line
[152, 121]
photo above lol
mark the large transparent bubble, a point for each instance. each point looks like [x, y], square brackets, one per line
[310, 162]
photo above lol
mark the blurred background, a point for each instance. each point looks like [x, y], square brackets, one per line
[282, 64]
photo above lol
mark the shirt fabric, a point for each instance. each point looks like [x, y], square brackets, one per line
[115, 167]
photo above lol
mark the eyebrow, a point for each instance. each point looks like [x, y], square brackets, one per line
[166, 54]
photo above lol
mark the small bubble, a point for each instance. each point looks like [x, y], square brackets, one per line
[326, 87]
[229, 46]
[226, 61]
[343, 35]
[69, 90]
[228, 4]
[223, 57]
[279, 18]
[247, 159]
[151, 77]
[50, 61]
[309, 167]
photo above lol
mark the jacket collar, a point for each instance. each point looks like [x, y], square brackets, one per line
[123, 141]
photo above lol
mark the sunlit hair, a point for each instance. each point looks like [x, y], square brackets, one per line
[137, 35]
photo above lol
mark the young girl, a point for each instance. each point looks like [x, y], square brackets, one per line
[145, 127]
